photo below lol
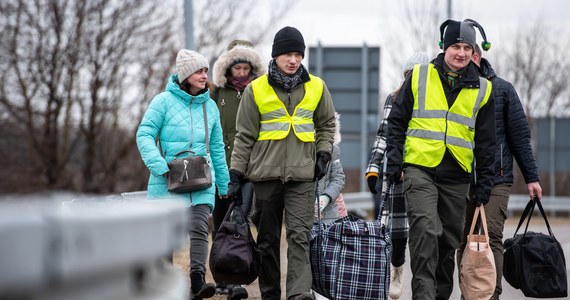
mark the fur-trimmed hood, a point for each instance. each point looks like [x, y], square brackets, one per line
[239, 52]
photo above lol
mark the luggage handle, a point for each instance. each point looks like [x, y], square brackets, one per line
[527, 214]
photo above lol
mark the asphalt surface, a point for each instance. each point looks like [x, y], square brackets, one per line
[560, 228]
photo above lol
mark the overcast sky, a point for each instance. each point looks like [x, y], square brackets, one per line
[342, 22]
[354, 22]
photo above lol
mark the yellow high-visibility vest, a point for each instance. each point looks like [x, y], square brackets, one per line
[276, 122]
[435, 127]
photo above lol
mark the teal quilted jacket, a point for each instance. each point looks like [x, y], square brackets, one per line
[169, 117]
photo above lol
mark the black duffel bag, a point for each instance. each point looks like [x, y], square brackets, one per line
[534, 262]
[234, 256]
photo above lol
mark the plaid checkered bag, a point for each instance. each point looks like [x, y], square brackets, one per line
[350, 258]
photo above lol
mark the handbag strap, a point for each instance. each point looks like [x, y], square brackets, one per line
[480, 212]
[192, 136]
[205, 127]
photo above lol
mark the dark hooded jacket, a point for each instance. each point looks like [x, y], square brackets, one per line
[449, 170]
[512, 130]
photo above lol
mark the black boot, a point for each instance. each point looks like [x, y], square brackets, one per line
[200, 289]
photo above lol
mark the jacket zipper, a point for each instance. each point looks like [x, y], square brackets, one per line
[501, 171]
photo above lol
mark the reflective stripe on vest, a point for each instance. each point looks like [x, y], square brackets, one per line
[275, 119]
[434, 127]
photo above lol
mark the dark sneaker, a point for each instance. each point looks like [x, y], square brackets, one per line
[222, 289]
[208, 290]
[237, 292]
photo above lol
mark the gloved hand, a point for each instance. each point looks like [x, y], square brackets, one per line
[323, 202]
[237, 200]
[234, 186]
[393, 174]
[372, 178]
[479, 199]
[323, 159]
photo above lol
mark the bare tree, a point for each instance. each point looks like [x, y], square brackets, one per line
[537, 67]
[37, 73]
[77, 75]
[118, 34]
[218, 22]
[65, 73]
[416, 30]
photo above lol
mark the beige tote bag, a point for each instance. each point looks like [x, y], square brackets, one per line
[477, 273]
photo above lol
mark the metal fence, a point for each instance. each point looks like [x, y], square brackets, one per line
[554, 206]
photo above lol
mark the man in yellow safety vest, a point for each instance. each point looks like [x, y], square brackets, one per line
[285, 128]
[442, 124]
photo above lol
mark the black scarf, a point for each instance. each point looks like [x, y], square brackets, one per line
[288, 82]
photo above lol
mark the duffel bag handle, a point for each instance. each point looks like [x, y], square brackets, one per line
[527, 214]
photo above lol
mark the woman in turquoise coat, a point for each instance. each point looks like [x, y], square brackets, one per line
[176, 117]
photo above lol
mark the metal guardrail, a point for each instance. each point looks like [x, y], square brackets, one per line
[98, 248]
[358, 201]
[517, 203]
[551, 205]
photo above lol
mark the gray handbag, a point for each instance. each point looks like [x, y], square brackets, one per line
[191, 173]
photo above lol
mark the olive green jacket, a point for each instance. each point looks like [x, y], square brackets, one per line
[288, 159]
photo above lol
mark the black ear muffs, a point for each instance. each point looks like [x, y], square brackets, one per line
[441, 30]
[485, 45]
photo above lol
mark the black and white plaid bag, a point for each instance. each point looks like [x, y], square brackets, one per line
[350, 258]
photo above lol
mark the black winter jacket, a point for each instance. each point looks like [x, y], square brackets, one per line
[449, 170]
[513, 133]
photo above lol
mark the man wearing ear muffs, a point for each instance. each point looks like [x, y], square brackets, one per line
[441, 122]
[513, 143]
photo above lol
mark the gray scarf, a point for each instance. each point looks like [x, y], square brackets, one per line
[288, 82]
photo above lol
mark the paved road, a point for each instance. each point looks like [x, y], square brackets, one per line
[560, 227]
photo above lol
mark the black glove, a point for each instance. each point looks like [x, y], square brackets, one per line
[237, 200]
[234, 186]
[393, 175]
[372, 179]
[323, 159]
[479, 199]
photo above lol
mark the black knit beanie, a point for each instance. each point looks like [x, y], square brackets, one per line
[288, 39]
[457, 32]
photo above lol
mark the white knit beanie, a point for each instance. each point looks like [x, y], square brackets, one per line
[188, 62]
[417, 58]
